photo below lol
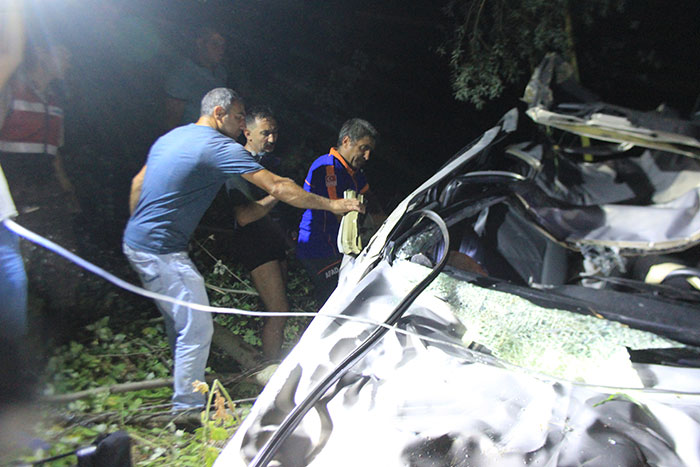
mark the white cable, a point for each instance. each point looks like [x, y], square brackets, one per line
[48, 244]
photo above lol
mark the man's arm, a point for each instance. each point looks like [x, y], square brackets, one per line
[286, 190]
[135, 193]
[61, 174]
[66, 185]
[174, 109]
[254, 210]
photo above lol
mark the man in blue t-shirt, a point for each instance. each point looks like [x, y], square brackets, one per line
[185, 169]
[329, 176]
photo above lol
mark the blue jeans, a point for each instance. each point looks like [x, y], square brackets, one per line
[189, 331]
[13, 287]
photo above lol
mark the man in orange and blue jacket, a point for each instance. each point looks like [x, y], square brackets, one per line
[329, 176]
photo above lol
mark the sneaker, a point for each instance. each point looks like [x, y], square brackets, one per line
[187, 419]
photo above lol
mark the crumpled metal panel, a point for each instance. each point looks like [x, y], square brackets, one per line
[586, 115]
[667, 176]
[413, 402]
[671, 223]
[596, 211]
[667, 226]
[616, 129]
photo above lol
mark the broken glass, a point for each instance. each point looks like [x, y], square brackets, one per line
[555, 342]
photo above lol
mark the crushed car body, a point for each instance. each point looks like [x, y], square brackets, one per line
[535, 302]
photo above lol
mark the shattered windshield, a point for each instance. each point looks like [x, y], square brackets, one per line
[555, 342]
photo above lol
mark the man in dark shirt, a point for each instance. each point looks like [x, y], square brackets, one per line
[259, 243]
[194, 77]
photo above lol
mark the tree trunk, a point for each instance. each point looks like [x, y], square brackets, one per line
[243, 353]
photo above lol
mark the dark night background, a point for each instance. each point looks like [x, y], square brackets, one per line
[318, 63]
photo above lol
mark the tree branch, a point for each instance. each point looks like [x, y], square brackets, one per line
[248, 377]
[111, 389]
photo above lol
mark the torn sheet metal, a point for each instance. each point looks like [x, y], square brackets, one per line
[417, 402]
[616, 129]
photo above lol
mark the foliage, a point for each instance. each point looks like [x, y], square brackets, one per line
[103, 357]
[108, 358]
[111, 351]
[494, 43]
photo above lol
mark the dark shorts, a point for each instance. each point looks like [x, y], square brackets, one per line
[258, 243]
[324, 275]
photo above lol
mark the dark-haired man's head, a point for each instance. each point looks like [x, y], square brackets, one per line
[261, 130]
[210, 47]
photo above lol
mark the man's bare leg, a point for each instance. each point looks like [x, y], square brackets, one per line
[270, 283]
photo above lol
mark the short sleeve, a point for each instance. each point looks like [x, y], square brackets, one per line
[238, 190]
[320, 180]
[176, 84]
[232, 158]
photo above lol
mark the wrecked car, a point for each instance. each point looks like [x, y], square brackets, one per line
[535, 302]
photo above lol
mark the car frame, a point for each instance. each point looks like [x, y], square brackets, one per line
[459, 335]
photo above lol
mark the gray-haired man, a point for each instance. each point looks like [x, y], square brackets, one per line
[185, 169]
[329, 176]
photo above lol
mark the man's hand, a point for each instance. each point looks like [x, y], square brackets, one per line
[342, 206]
[253, 211]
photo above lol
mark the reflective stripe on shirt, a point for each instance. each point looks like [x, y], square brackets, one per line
[28, 148]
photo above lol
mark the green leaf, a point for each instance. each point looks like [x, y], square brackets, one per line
[210, 455]
[218, 433]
